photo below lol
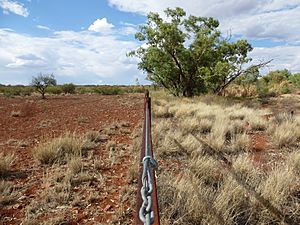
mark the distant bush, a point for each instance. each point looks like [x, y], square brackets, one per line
[278, 82]
[55, 90]
[68, 88]
[84, 89]
[295, 79]
[134, 89]
[10, 91]
[108, 90]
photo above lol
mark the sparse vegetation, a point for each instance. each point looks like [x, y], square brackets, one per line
[7, 193]
[59, 150]
[5, 163]
[205, 189]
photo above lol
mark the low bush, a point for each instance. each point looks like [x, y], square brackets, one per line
[68, 88]
[10, 91]
[55, 90]
[108, 90]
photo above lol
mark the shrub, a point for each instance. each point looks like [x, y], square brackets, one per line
[295, 79]
[55, 90]
[84, 90]
[108, 90]
[10, 91]
[68, 88]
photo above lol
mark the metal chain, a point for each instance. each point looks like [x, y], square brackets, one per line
[146, 213]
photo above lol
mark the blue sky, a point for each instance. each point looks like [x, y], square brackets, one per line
[85, 41]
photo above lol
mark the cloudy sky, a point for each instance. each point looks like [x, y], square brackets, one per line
[85, 41]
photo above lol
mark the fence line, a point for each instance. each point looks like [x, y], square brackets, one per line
[147, 206]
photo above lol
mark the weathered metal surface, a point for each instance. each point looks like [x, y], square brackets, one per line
[146, 159]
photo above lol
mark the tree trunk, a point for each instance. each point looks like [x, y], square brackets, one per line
[43, 95]
[188, 91]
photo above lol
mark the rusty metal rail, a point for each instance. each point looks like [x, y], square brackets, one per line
[147, 206]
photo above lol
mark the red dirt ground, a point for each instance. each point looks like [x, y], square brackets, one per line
[36, 120]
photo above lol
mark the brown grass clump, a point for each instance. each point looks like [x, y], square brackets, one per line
[162, 112]
[93, 136]
[285, 134]
[75, 165]
[240, 142]
[59, 150]
[5, 163]
[7, 193]
[258, 123]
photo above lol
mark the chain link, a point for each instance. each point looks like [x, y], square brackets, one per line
[146, 213]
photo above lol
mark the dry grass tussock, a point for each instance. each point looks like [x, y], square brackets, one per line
[285, 131]
[5, 163]
[60, 150]
[7, 193]
[205, 189]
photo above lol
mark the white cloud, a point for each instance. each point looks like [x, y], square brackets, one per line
[101, 25]
[128, 30]
[13, 7]
[79, 57]
[284, 57]
[271, 19]
[43, 27]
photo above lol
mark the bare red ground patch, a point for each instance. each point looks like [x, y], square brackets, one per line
[39, 120]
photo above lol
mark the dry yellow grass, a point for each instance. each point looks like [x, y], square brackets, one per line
[208, 191]
[61, 149]
[7, 193]
[75, 165]
[5, 163]
[286, 133]
[240, 142]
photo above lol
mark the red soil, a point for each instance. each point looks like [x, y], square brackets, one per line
[39, 120]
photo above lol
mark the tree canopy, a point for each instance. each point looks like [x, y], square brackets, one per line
[188, 55]
[42, 81]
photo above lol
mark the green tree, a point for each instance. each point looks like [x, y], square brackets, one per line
[42, 81]
[295, 79]
[68, 88]
[277, 76]
[188, 56]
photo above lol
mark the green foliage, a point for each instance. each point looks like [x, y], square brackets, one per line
[11, 91]
[108, 90]
[188, 56]
[55, 90]
[276, 82]
[295, 79]
[42, 81]
[277, 76]
[134, 89]
[84, 89]
[68, 88]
